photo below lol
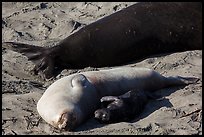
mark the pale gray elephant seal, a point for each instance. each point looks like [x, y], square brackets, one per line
[124, 107]
[138, 31]
[71, 100]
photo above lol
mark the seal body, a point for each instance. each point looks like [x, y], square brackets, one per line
[122, 108]
[71, 100]
[138, 31]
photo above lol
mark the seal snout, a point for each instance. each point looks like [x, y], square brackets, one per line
[66, 121]
[62, 122]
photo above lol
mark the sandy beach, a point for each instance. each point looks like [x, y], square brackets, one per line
[178, 112]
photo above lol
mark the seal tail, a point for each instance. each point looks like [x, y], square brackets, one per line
[40, 56]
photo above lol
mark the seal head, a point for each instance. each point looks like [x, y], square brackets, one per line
[64, 111]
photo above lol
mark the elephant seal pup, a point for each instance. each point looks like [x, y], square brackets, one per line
[71, 100]
[122, 108]
[133, 33]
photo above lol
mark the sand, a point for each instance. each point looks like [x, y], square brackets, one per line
[179, 111]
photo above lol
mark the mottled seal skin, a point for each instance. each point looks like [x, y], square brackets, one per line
[71, 100]
[122, 108]
[138, 31]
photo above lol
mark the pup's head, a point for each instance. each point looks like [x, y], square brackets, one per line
[102, 115]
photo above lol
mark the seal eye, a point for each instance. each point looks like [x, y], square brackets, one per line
[78, 81]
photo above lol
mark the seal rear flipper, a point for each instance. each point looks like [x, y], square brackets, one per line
[40, 56]
[188, 80]
[178, 80]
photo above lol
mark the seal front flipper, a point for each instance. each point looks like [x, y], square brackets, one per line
[40, 56]
[106, 100]
[109, 98]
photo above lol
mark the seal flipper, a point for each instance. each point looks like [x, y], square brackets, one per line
[109, 98]
[40, 56]
[178, 80]
[106, 100]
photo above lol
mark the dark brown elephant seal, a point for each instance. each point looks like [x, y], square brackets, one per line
[71, 100]
[132, 33]
[122, 108]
